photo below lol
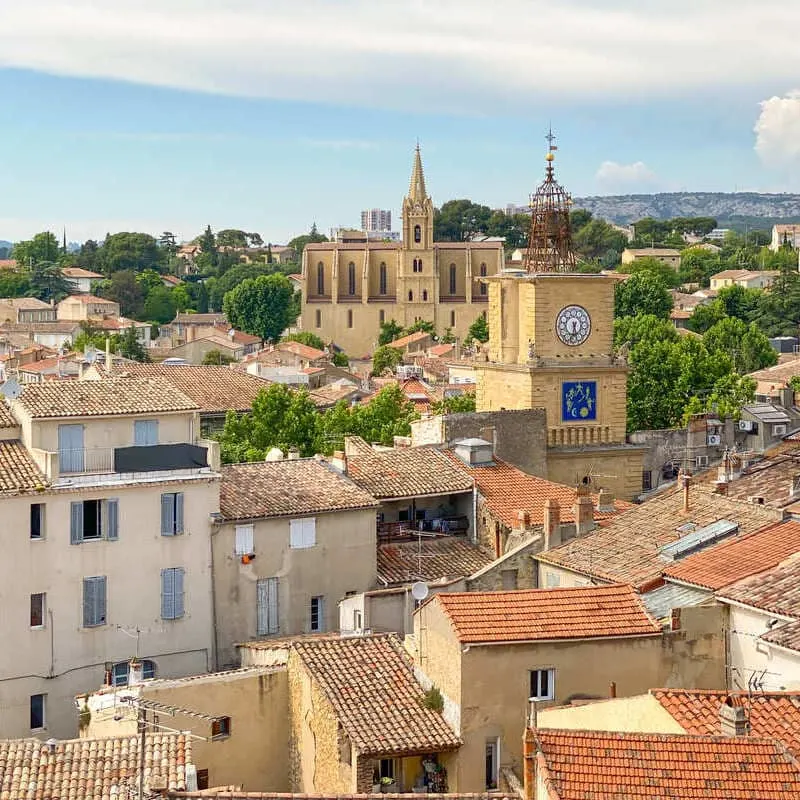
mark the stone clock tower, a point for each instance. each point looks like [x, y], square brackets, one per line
[551, 346]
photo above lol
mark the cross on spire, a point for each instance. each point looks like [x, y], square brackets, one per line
[551, 137]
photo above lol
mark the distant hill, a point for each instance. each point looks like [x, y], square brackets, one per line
[731, 209]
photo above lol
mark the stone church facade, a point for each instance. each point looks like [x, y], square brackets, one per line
[349, 289]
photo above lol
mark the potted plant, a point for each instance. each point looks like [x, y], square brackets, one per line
[386, 784]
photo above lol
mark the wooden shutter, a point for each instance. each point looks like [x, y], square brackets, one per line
[178, 573]
[100, 601]
[309, 532]
[76, 522]
[296, 533]
[244, 540]
[179, 512]
[112, 519]
[267, 606]
[167, 594]
[88, 602]
[168, 514]
[94, 601]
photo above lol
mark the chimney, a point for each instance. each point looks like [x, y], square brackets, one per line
[135, 672]
[109, 362]
[523, 520]
[293, 454]
[733, 719]
[529, 754]
[552, 523]
[605, 501]
[721, 487]
[612, 690]
[488, 434]
[583, 511]
[339, 461]
[686, 482]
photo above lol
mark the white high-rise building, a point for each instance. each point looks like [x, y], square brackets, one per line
[376, 219]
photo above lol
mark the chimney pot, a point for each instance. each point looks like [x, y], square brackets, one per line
[733, 719]
[583, 511]
[552, 523]
[686, 481]
[605, 501]
[612, 690]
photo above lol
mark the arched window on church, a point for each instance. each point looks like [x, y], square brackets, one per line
[452, 279]
[382, 279]
[417, 234]
[351, 278]
[483, 275]
[424, 294]
[410, 296]
[349, 317]
[318, 318]
[320, 278]
[452, 319]
[419, 265]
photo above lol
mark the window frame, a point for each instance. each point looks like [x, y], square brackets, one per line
[271, 614]
[42, 712]
[41, 522]
[37, 626]
[417, 234]
[242, 534]
[317, 609]
[148, 666]
[351, 279]
[149, 427]
[107, 514]
[220, 728]
[320, 278]
[173, 602]
[318, 318]
[172, 522]
[647, 480]
[535, 682]
[453, 280]
[383, 282]
[98, 620]
[302, 533]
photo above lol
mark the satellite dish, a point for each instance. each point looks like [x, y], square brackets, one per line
[419, 590]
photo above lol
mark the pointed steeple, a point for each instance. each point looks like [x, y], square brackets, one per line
[416, 190]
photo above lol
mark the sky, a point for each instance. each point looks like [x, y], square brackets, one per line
[268, 115]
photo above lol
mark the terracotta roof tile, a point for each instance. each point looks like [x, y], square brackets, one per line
[225, 793]
[779, 375]
[772, 715]
[627, 549]
[547, 614]
[18, 471]
[90, 298]
[407, 472]
[776, 590]
[773, 478]
[592, 765]
[287, 488]
[786, 635]
[508, 490]
[79, 272]
[738, 558]
[439, 350]
[25, 303]
[301, 350]
[370, 683]
[404, 341]
[440, 560]
[6, 417]
[199, 319]
[111, 396]
[91, 769]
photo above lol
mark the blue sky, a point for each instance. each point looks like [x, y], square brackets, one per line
[270, 114]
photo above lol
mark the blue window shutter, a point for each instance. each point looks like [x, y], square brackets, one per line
[76, 523]
[178, 587]
[100, 594]
[88, 602]
[112, 519]
[179, 512]
[168, 514]
[167, 594]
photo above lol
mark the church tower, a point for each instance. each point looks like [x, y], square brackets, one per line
[417, 210]
[551, 346]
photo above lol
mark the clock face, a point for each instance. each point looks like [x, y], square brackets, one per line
[573, 325]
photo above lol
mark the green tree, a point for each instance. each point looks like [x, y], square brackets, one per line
[169, 243]
[159, 305]
[134, 252]
[47, 282]
[778, 311]
[307, 338]
[390, 331]
[579, 218]
[182, 298]
[460, 220]
[131, 347]
[263, 306]
[298, 244]
[216, 358]
[90, 336]
[340, 360]
[642, 293]
[424, 325]
[598, 239]
[231, 237]
[706, 316]
[478, 331]
[43, 248]
[740, 302]
[654, 266]
[384, 359]
[746, 346]
[645, 328]
[88, 256]
[124, 289]
[230, 279]
[14, 283]
[387, 415]
[455, 404]
[698, 265]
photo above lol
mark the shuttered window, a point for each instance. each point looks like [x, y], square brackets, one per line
[145, 432]
[90, 520]
[94, 601]
[172, 513]
[267, 606]
[244, 540]
[302, 533]
[172, 593]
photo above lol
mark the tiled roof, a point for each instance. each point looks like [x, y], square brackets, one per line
[444, 559]
[91, 769]
[771, 478]
[214, 389]
[772, 715]
[232, 793]
[301, 350]
[18, 471]
[508, 490]
[89, 298]
[738, 558]
[25, 303]
[6, 417]
[776, 590]
[439, 350]
[594, 765]
[370, 683]
[407, 472]
[240, 337]
[787, 636]
[652, 251]
[627, 549]
[779, 374]
[199, 319]
[79, 272]
[98, 398]
[287, 488]
[404, 341]
[768, 412]
[547, 614]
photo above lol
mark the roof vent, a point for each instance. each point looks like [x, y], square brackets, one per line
[475, 452]
[698, 539]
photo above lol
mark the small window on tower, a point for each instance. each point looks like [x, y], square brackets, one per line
[318, 318]
[417, 234]
[349, 318]
[410, 296]
[452, 279]
[351, 278]
[320, 278]
[424, 294]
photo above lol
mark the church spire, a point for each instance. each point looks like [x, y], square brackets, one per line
[416, 190]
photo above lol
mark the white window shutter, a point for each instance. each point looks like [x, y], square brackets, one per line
[296, 533]
[76, 523]
[309, 532]
[244, 540]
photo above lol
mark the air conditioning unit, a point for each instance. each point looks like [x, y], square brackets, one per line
[746, 425]
[714, 439]
[778, 430]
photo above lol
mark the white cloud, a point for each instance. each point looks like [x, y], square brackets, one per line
[777, 130]
[411, 54]
[613, 177]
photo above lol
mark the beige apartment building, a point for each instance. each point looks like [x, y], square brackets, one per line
[84, 307]
[349, 289]
[105, 497]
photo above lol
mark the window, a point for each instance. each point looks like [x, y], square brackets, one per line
[37, 521]
[381, 317]
[417, 234]
[244, 540]
[509, 579]
[424, 294]
[492, 763]
[388, 768]
[172, 593]
[120, 672]
[410, 297]
[382, 279]
[302, 533]
[267, 606]
[452, 319]
[93, 519]
[552, 580]
[351, 278]
[483, 314]
[358, 620]
[452, 279]
[145, 432]
[318, 318]
[778, 430]
[37, 610]
[483, 286]
[220, 728]
[542, 684]
[172, 513]
[404, 515]
[94, 601]
[320, 278]
[202, 779]
[647, 480]
[37, 711]
[317, 614]
[349, 318]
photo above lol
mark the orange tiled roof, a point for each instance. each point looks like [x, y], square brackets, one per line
[370, 683]
[508, 490]
[404, 341]
[444, 559]
[776, 590]
[301, 350]
[92, 769]
[18, 471]
[547, 614]
[6, 417]
[594, 765]
[90, 298]
[439, 350]
[79, 272]
[772, 715]
[738, 558]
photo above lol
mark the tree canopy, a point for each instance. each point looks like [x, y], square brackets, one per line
[642, 293]
[263, 306]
